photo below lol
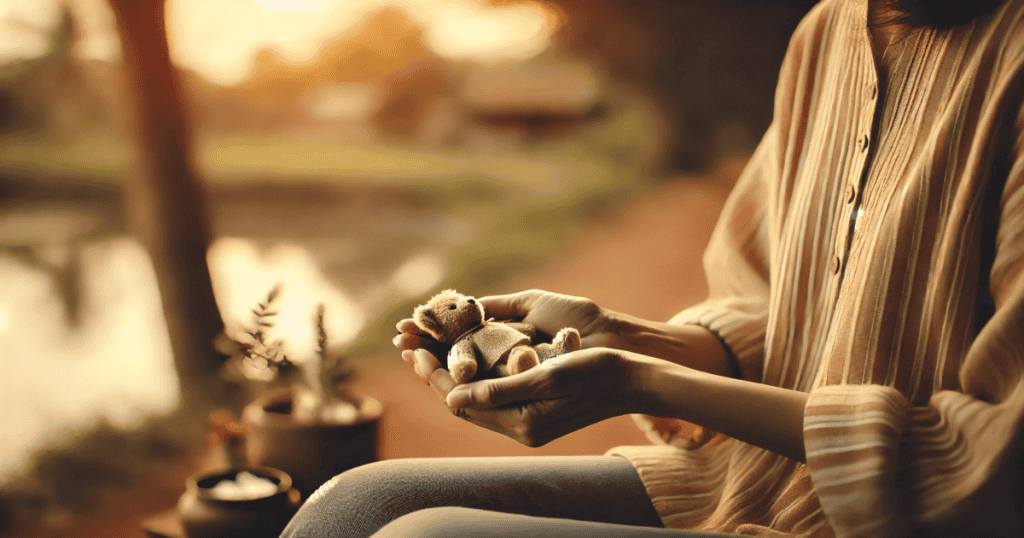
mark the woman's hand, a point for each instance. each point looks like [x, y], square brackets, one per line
[560, 396]
[551, 312]
[578, 389]
[548, 312]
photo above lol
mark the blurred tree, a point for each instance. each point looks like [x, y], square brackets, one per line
[383, 42]
[276, 93]
[166, 204]
[711, 65]
[45, 94]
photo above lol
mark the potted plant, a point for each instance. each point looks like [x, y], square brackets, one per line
[306, 422]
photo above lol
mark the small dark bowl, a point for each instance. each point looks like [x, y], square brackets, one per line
[205, 516]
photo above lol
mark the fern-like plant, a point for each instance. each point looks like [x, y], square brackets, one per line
[321, 383]
[334, 372]
[260, 352]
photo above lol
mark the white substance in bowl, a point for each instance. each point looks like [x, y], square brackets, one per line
[245, 487]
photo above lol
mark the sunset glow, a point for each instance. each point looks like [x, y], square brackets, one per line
[458, 29]
[294, 6]
[219, 38]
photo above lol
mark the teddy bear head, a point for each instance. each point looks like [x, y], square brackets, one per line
[448, 315]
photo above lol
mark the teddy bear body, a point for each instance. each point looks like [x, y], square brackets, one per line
[479, 345]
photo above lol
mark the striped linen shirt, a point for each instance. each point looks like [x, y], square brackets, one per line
[872, 255]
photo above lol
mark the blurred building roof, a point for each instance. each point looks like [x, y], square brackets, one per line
[532, 88]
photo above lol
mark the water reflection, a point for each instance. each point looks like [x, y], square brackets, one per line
[116, 362]
[243, 275]
[55, 377]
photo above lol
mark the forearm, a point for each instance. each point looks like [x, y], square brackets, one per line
[762, 415]
[692, 346]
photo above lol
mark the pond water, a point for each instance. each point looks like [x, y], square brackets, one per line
[115, 362]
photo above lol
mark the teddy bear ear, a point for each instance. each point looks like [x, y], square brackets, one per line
[426, 319]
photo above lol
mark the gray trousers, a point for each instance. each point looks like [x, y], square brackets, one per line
[542, 496]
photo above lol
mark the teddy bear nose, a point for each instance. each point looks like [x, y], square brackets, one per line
[471, 301]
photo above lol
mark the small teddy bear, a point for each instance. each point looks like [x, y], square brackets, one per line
[481, 345]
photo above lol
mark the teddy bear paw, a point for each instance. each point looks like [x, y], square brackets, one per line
[567, 339]
[462, 372]
[522, 359]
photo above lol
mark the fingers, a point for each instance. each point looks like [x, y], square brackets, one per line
[412, 337]
[407, 325]
[508, 421]
[513, 305]
[491, 393]
[429, 369]
[411, 342]
[410, 359]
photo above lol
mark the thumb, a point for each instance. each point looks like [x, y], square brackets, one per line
[491, 393]
[513, 305]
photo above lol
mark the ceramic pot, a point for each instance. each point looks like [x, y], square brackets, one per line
[205, 516]
[311, 452]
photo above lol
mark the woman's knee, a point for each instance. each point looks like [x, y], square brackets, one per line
[353, 503]
[438, 522]
[350, 488]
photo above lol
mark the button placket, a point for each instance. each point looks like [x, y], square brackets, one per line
[851, 192]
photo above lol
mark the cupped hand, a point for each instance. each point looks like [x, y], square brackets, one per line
[562, 395]
[548, 312]
[411, 337]
[551, 312]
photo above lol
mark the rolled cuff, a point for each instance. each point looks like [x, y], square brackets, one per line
[852, 436]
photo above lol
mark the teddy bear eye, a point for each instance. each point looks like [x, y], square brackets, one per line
[452, 307]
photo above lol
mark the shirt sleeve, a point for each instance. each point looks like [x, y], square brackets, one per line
[737, 258]
[882, 467]
[736, 267]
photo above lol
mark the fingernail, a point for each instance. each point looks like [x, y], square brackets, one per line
[458, 398]
[394, 341]
[421, 360]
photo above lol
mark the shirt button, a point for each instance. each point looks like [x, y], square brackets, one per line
[862, 142]
[834, 265]
[850, 194]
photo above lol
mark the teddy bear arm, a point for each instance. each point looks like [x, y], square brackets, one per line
[462, 361]
[566, 341]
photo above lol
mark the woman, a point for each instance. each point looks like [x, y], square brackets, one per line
[858, 366]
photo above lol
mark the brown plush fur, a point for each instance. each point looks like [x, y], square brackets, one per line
[448, 315]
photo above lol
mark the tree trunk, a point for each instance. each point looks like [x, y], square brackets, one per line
[165, 199]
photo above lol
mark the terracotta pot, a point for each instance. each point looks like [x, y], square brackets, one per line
[205, 516]
[312, 453]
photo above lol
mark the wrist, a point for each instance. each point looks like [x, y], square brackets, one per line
[614, 326]
[762, 415]
[692, 346]
[646, 381]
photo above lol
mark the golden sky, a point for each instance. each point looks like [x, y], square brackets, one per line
[218, 38]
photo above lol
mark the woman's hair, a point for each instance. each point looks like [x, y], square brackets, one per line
[936, 13]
